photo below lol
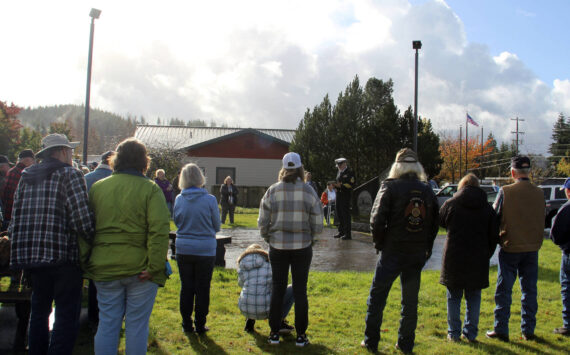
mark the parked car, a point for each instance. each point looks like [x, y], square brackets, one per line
[450, 189]
[554, 197]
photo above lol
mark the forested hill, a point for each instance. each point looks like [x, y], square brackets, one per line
[106, 129]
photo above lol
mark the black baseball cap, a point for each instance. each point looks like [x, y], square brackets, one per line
[520, 162]
[4, 160]
[26, 153]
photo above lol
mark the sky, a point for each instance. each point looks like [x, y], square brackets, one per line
[263, 63]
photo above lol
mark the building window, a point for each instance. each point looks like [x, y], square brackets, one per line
[222, 173]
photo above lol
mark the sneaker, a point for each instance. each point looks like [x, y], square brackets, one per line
[249, 325]
[472, 341]
[285, 328]
[346, 237]
[302, 340]
[562, 331]
[338, 235]
[528, 336]
[202, 330]
[368, 347]
[494, 335]
[273, 339]
[452, 339]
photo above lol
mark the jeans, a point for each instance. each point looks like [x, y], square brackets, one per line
[300, 261]
[391, 265]
[225, 210]
[195, 278]
[565, 289]
[526, 265]
[329, 210]
[129, 298]
[473, 306]
[62, 284]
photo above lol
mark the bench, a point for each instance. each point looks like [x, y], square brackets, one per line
[21, 297]
[221, 240]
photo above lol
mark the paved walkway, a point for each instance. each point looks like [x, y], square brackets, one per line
[330, 254]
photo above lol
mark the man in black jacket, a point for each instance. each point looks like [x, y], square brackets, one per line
[560, 235]
[404, 224]
[344, 184]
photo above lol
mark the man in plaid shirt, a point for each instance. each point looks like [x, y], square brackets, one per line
[25, 159]
[50, 218]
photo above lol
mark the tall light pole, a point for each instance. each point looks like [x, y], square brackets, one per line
[94, 14]
[417, 45]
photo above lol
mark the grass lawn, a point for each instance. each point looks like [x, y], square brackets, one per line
[337, 302]
[243, 218]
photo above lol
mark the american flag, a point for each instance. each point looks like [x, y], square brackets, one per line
[472, 121]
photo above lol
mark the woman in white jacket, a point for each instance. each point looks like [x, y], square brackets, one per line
[254, 276]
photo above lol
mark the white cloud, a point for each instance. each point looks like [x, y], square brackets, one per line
[258, 63]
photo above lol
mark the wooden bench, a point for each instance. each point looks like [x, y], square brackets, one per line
[21, 297]
[221, 240]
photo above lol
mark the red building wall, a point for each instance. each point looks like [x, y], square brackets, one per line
[248, 145]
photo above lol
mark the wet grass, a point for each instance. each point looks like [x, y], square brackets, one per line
[337, 302]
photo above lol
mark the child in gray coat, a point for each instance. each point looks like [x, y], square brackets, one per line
[254, 276]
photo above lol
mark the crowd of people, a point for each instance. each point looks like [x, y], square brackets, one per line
[111, 226]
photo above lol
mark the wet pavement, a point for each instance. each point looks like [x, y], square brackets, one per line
[330, 254]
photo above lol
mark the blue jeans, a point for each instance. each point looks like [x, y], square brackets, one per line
[473, 306]
[526, 265]
[62, 284]
[565, 289]
[129, 298]
[195, 278]
[300, 262]
[390, 266]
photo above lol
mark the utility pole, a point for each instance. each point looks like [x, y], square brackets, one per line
[517, 132]
[460, 153]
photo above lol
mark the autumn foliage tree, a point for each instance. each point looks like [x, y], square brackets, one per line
[453, 166]
[9, 129]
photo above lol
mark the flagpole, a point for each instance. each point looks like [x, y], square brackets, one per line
[460, 151]
[466, 141]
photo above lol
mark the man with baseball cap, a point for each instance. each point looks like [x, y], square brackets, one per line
[520, 208]
[344, 184]
[560, 235]
[25, 159]
[50, 219]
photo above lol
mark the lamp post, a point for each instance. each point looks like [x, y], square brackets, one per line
[417, 45]
[94, 14]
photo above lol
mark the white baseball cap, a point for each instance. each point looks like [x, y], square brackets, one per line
[291, 160]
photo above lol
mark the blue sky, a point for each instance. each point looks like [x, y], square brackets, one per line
[259, 63]
[536, 31]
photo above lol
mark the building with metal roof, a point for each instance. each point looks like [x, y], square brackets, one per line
[252, 157]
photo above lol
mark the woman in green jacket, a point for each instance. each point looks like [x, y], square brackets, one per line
[127, 258]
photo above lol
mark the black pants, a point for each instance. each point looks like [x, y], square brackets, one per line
[343, 214]
[195, 278]
[225, 210]
[300, 261]
[61, 284]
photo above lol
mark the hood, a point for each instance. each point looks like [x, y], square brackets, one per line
[193, 193]
[471, 197]
[40, 172]
[252, 261]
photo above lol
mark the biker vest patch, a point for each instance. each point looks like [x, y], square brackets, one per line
[415, 214]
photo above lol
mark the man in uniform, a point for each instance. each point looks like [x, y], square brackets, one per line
[344, 184]
[520, 208]
[560, 235]
[404, 224]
